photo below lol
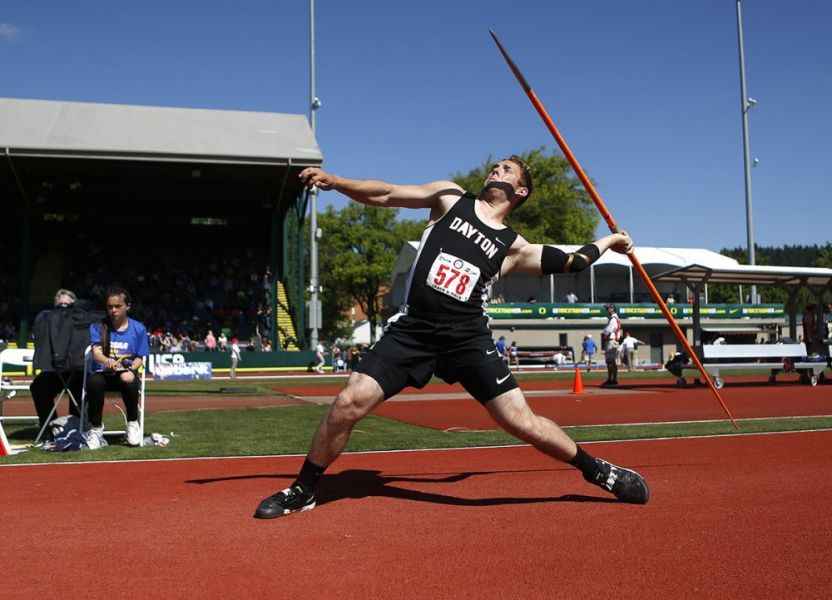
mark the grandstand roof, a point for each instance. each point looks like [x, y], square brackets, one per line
[88, 130]
[74, 158]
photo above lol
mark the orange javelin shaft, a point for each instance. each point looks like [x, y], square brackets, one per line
[609, 220]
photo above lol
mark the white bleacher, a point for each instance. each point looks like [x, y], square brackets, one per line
[763, 357]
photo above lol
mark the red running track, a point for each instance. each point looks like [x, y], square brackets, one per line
[730, 517]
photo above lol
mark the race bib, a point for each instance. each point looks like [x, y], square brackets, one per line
[453, 276]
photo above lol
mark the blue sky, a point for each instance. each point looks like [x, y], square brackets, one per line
[645, 92]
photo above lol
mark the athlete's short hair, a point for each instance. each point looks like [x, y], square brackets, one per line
[527, 176]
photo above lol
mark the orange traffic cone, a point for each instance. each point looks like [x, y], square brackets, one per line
[578, 386]
[5, 450]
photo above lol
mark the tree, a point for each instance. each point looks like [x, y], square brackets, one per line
[559, 210]
[358, 250]
[823, 259]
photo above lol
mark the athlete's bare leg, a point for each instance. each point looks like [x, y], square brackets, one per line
[352, 404]
[512, 413]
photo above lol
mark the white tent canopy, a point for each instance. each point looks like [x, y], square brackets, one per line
[611, 266]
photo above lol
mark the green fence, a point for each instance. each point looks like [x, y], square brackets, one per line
[544, 310]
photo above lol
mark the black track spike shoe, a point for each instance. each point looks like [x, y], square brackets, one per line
[285, 502]
[625, 484]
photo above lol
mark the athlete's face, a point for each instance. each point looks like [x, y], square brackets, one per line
[508, 176]
[505, 170]
[117, 309]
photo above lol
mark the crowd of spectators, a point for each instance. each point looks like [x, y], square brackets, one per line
[179, 294]
[9, 288]
[8, 331]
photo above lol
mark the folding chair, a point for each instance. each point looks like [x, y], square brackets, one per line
[9, 389]
[88, 362]
[65, 377]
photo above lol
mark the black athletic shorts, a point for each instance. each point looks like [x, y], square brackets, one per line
[412, 350]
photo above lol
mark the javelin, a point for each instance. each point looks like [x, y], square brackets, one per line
[609, 220]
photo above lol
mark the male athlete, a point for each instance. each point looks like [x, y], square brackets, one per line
[442, 328]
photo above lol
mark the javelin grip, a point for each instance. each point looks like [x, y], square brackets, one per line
[608, 219]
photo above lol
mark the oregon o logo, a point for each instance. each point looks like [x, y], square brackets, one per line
[541, 310]
[673, 310]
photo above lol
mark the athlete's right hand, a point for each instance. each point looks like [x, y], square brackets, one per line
[314, 177]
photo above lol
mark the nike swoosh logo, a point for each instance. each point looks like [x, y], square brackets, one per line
[491, 351]
[502, 379]
[499, 241]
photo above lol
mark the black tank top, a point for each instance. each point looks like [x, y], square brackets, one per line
[459, 258]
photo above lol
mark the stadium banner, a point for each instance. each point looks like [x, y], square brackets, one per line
[182, 370]
[251, 361]
[544, 310]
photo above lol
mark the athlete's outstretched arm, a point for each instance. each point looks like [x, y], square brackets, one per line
[540, 259]
[381, 193]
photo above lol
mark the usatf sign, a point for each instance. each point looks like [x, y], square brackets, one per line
[174, 366]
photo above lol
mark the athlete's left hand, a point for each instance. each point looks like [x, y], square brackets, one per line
[622, 243]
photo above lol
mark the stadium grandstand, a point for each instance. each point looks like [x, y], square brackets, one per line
[198, 213]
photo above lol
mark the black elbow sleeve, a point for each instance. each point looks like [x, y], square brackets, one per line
[553, 260]
[584, 257]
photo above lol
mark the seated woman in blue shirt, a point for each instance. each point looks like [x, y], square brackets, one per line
[119, 344]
